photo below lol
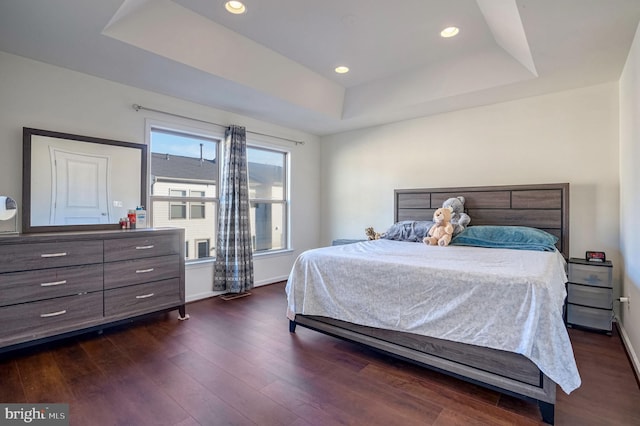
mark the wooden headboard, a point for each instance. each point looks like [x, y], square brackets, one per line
[544, 206]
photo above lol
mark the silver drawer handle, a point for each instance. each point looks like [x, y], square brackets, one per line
[53, 254]
[144, 247]
[144, 296]
[51, 284]
[142, 271]
[53, 314]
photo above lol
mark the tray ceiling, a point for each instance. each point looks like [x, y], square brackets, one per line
[276, 61]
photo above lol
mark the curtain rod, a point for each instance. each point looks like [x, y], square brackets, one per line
[139, 107]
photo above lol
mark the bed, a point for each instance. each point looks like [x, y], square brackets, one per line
[523, 342]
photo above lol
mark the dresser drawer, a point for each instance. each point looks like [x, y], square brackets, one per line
[24, 257]
[599, 319]
[600, 276]
[140, 247]
[48, 317]
[142, 298]
[120, 274]
[21, 287]
[597, 297]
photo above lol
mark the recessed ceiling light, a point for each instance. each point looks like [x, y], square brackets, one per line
[449, 32]
[342, 69]
[235, 7]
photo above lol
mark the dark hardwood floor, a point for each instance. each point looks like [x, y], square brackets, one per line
[234, 362]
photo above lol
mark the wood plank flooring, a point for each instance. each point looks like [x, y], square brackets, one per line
[234, 362]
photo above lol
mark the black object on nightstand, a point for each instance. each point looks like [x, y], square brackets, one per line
[590, 295]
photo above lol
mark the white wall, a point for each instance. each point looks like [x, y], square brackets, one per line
[630, 197]
[34, 94]
[570, 136]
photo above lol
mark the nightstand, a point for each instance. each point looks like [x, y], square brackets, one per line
[590, 295]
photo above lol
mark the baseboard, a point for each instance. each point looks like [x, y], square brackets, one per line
[203, 295]
[272, 280]
[207, 294]
[633, 357]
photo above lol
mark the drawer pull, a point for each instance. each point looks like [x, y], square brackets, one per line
[51, 284]
[145, 296]
[53, 314]
[54, 254]
[144, 247]
[142, 271]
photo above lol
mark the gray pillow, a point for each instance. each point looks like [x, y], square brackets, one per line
[408, 230]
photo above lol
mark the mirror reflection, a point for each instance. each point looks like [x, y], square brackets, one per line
[81, 182]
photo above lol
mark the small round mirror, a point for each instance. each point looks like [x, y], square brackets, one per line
[8, 208]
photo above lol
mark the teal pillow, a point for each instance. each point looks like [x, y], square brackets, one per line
[512, 237]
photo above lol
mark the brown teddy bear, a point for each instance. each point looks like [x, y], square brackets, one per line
[441, 231]
[371, 234]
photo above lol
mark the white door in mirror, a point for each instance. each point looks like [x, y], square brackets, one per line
[8, 208]
[80, 188]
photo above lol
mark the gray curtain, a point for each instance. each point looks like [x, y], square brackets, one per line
[234, 258]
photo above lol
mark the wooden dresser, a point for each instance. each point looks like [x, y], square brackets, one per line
[59, 284]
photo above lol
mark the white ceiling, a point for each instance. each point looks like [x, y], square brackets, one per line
[276, 62]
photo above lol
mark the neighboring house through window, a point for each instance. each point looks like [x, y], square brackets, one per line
[268, 196]
[184, 172]
[184, 192]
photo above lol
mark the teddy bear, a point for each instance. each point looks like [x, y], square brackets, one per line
[442, 229]
[459, 219]
[371, 234]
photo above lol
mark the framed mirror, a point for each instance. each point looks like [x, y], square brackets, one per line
[79, 183]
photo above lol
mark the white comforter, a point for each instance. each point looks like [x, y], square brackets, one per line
[498, 298]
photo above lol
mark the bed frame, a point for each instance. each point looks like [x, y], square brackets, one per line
[544, 206]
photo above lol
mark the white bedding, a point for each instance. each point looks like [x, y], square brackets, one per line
[498, 298]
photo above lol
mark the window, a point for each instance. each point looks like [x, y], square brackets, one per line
[268, 197]
[184, 190]
[203, 249]
[184, 172]
[177, 209]
[196, 209]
